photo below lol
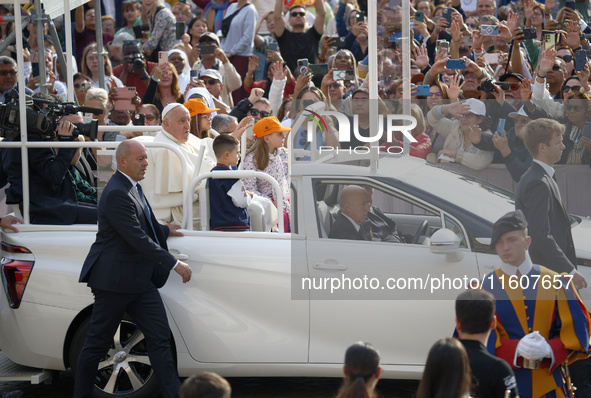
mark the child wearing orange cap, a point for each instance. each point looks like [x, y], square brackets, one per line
[268, 155]
[201, 125]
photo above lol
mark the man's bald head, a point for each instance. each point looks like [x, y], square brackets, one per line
[355, 202]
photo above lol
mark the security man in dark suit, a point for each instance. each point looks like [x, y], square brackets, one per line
[537, 195]
[126, 265]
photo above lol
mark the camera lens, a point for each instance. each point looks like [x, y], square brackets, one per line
[138, 63]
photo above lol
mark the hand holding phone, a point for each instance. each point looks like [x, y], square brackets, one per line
[501, 127]
[180, 29]
[162, 57]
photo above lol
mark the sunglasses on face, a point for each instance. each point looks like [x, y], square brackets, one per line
[556, 68]
[343, 57]
[298, 14]
[512, 87]
[7, 72]
[149, 117]
[130, 42]
[575, 108]
[566, 58]
[335, 86]
[82, 86]
[210, 82]
[566, 89]
[255, 113]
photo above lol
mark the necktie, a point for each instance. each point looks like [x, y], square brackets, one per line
[140, 191]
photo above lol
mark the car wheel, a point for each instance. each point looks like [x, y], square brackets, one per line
[126, 369]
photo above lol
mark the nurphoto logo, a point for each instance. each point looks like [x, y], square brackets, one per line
[393, 123]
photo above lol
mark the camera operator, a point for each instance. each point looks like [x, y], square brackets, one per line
[8, 79]
[52, 193]
[135, 70]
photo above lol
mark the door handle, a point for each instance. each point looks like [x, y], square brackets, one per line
[331, 267]
[180, 256]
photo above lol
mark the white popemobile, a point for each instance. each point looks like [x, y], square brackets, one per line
[276, 304]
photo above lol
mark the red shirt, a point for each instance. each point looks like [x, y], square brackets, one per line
[134, 80]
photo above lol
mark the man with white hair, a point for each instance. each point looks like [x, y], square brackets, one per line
[163, 184]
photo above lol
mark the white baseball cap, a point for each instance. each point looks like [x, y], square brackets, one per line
[477, 107]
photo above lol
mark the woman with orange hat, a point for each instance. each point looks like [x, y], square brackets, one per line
[200, 125]
[268, 155]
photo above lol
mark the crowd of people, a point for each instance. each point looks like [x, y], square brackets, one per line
[480, 71]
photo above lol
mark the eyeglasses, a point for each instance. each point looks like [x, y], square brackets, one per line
[343, 56]
[566, 58]
[83, 86]
[432, 95]
[512, 87]
[575, 108]
[298, 14]
[566, 89]
[556, 68]
[8, 72]
[108, 25]
[130, 42]
[473, 25]
[149, 117]
[255, 113]
[336, 86]
[210, 82]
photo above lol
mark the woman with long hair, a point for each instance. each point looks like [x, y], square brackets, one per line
[163, 88]
[362, 371]
[90, 68]
[201, 116]
[345, 60]
[132, 16]
[447, 372]
[306, 97]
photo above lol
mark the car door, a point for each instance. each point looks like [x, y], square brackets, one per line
[381, 292]
[237, 308]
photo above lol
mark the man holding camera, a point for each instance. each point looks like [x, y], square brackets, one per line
[135, 70]
[52, 193]
[213, 57]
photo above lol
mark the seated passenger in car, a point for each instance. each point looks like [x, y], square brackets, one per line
[228, 198]
[356, 220]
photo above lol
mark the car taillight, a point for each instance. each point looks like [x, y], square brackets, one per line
[14, 249]
[15, 274]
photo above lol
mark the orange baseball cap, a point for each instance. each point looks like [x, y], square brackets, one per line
[268, 125]
[198, 106]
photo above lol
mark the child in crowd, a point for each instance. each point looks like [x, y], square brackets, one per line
[268, 155]
[227, 197]
[207, 384]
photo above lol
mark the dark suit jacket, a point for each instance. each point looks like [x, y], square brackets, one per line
[342, 228]
[125, 257]
[548, 222]
[375, 226]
